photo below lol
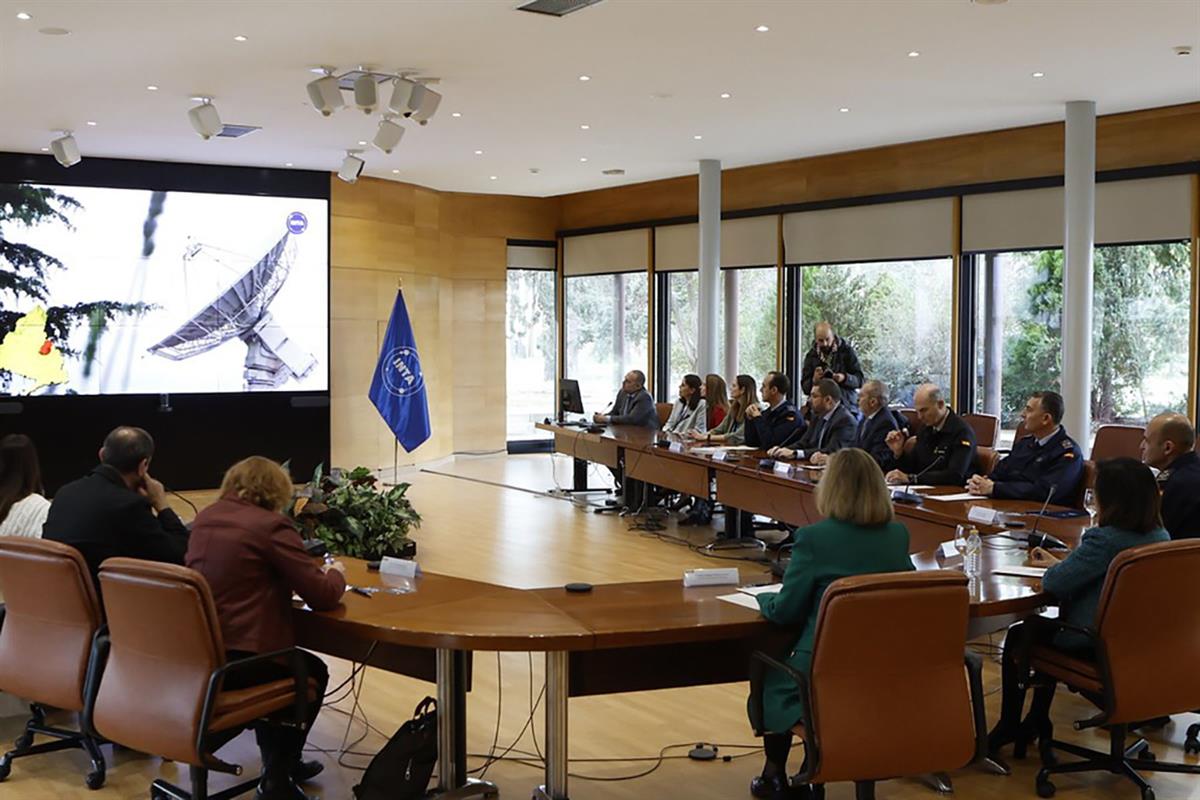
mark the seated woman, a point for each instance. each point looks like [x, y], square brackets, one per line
[731, 430]
[23, 509]
[253, 559]
[716, 398]
[857, 536]
[1128, 502]
[690, 411]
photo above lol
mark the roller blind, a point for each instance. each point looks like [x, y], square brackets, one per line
[523, 257]
[883, 232]
[1144, 210]
[597, 253]
[748, 242]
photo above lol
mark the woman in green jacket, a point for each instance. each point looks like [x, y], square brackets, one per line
[858, 536]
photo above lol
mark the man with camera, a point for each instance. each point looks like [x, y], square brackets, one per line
[832, 357]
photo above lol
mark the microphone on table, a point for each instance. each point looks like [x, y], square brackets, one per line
[904, 495]
[1043, 539]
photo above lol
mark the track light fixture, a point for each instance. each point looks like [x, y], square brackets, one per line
[66, 150]
[352, 166]
[366, 93]
[402, 90]
[205, 119]
[388, 135]
[325, 93]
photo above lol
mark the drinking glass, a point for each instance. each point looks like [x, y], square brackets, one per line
[1089, 503]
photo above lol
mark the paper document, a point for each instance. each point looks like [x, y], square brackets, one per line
[754, 591]
[953, 498]
[706, 449]
[811, 466]
[1020, 571]
[740, 599]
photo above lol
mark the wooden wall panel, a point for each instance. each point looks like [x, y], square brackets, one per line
[1135, 139]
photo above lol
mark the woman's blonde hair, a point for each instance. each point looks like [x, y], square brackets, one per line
[259, 481]
[853, 490]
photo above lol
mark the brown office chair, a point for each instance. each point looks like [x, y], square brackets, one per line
[1140, 671]
[1117, 441]
[912, 420]
[876, 633]
[51, 645]
[986, 460]
[1087, 482]
[986, 427]
[162, 693]
[664, 412]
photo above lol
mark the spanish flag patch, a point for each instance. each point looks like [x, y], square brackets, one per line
[965, 443]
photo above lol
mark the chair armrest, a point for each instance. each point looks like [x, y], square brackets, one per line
[974, 665]
[759, 662]
[97, 660]
[299, 669]
[3, 608]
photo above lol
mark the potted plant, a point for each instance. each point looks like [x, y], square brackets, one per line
[353, 518]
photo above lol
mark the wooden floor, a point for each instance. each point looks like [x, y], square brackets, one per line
[475, 529]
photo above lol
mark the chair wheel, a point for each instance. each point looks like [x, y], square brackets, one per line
[1147, 755]
[95, 779]
[1045, 788]
[5, 767]
[23, 741]
[1191, 746]
[1147, 793]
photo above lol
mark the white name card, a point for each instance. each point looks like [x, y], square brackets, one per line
[783, 468]
[401, 567]
[984, 516]
[720, 455]
[948, 549]
[676, 447]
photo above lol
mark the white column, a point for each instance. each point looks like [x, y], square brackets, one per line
[1080, 173]
[710, 266]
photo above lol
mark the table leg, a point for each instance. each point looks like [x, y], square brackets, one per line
[555, 787]
[581, 475]
[453, 782]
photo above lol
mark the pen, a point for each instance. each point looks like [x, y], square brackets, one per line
[360, 590]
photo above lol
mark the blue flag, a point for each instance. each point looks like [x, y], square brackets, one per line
[398, 388]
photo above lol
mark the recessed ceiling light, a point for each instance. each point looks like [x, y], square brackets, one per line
[844, 110]
[152, 88]
[583, 160]
[288, 164]
[21, 15]
[913, 53]
[762, 29]
[493, 177]
[1039, 74]
[478, 152]
[239, 38]
[585, 127]
[91, 123]
[585, 77]
[45, 149]
[456, 114]
[395, 172]
[725, 95]
[697, 137]
[362, 144]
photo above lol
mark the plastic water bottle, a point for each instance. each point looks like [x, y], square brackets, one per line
[972, 561]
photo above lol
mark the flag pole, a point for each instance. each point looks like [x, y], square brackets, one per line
[396, 442]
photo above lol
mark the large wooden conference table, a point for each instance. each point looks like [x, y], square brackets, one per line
[620, 637]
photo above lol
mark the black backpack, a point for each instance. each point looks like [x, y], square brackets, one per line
[402, 769]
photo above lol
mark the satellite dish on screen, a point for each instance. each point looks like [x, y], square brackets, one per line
[241, 311]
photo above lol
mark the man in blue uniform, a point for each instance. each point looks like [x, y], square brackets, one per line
[1047, 458]
[780, 424]
[944, 448]
[1170, 446]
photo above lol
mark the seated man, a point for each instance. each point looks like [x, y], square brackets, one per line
[1047, 458]
[833, 425]
[876, 423]
[945, 446]
[118, 509]
[780, 424]
[633, 405]
[1170, 446]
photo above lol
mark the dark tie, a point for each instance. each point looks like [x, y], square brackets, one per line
[862, 426]
[821, 425]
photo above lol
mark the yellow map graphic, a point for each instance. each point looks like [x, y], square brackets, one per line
[21, 353]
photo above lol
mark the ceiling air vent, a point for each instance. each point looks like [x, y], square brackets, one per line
[237, 131]
[613, 171]
[556, 8]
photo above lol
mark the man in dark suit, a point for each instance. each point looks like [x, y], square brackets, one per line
[1046, 462]
[945, 446]
[832, 357]
[832, 429]
[633, 404]
[118, 509]
[780, 424]
[876, 421]
[1170, 446]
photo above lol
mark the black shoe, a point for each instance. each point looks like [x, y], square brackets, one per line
[766, 788]
[696, 519]
[286, 791]
[305, 771]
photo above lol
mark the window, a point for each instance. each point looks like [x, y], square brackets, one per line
[1140, 314]
[530, 331]
[747, 337]
[606, 333]
[896, 314]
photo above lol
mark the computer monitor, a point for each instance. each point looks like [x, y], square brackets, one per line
[569, 399]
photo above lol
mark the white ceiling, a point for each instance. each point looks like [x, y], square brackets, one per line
[514, 78]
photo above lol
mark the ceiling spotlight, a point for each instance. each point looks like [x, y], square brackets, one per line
[913, 53]
[844, 110]
[402, 90]
[239, 38]
[585, 127]
[424, 102]
[205, 119]
[45, 149]
[478, 152]
[697, 137]
[493, 177]
[366, 93]
[152, 88]
[66, 150]
[395, 172]
[352, 167]
[725, 95]
[585, 77]
[288, 164]
[361, 143]
[1039, 74]
[325, 94]
[456, 114]
[21, 15]
[583, 160]
[388, 135]
[91, 123]
[762, 29]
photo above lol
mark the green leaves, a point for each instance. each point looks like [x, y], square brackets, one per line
[352, 517]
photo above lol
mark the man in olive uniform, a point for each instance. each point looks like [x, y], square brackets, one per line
[780, 424]
[945, 446]
[1047, 458]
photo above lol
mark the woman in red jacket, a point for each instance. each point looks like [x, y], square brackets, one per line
[253, 560]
